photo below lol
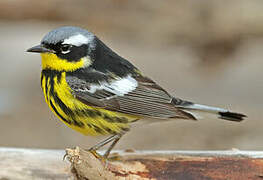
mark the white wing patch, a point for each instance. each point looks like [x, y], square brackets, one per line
[79, 39]
[119, 87]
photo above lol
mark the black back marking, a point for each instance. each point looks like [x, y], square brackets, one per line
[105, 60]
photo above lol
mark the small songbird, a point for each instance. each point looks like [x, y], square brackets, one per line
[95, 91]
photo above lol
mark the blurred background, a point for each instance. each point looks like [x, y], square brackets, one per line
[205, 51]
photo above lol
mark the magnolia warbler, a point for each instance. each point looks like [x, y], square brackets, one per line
[95, 91]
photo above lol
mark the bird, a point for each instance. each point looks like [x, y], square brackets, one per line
[95, 91]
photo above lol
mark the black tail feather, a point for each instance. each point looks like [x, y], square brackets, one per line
[231, 116]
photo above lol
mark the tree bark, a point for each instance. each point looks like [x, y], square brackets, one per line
[26, 164]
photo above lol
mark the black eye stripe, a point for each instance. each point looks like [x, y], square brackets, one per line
[55, 47]
[75, 53]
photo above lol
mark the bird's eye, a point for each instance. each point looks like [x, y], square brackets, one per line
[65, 48]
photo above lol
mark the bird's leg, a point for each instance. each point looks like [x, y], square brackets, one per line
[99, 145]
[103, 143]
[114, 139]
[117, 138]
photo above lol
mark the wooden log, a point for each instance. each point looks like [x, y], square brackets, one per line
[160, 165]
[27, 164]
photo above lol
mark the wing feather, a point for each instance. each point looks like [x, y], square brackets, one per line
[143, 98]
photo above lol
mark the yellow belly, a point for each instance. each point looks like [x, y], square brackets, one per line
[77, 115]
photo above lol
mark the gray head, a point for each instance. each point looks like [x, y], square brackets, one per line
[68, 35]
[67, 42]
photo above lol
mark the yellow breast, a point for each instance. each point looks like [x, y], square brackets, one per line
[77, 115]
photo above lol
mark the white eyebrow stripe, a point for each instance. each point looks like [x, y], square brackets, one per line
[78, 40]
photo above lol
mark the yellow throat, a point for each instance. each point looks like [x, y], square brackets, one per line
[52, 61]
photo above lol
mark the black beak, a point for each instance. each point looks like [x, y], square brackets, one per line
[40, 49]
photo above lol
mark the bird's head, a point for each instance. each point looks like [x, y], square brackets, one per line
[66, 49]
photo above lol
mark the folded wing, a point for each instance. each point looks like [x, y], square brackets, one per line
[132, 95]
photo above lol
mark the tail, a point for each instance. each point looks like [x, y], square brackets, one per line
[223, 113]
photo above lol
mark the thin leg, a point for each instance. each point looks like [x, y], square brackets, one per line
[103, 143]
[114, 139]
[117, 138]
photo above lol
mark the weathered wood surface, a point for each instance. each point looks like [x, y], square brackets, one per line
[26, 164]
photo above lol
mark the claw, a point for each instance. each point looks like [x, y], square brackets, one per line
[65, 156]
[114, 157]
[99, 157]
